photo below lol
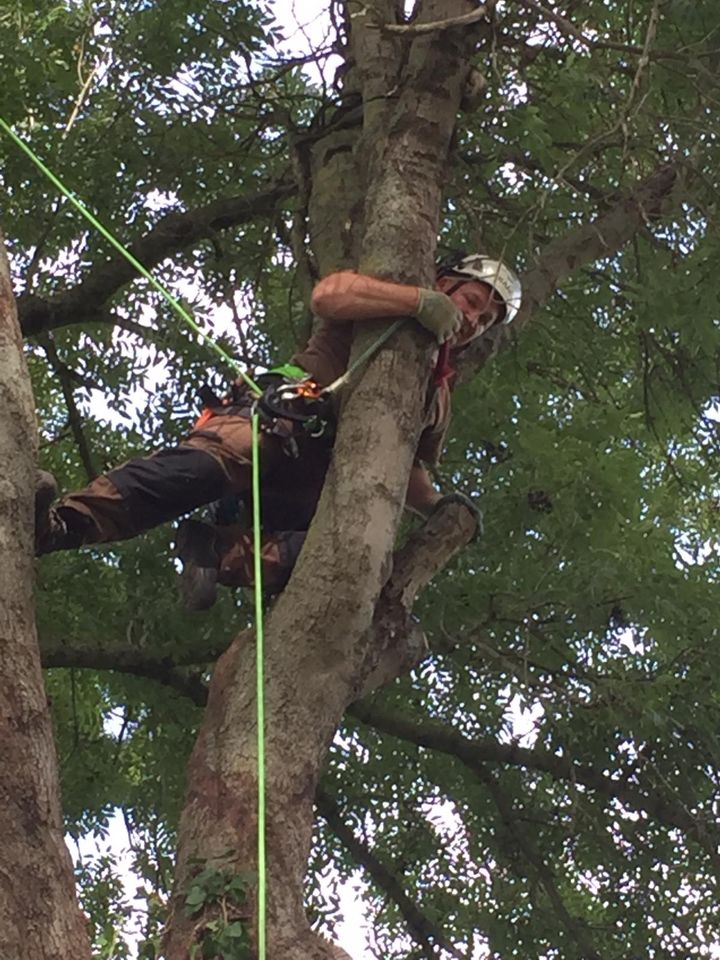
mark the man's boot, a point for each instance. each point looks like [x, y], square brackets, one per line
[50, 528]
[196, 547]
[59, 526]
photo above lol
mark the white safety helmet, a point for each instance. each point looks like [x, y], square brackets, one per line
[503, 280]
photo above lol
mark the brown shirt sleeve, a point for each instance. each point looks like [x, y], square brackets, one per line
[347, 296]
[326, 355]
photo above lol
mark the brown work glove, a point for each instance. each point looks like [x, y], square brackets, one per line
[438, 314]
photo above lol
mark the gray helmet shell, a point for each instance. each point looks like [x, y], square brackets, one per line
[503, 280]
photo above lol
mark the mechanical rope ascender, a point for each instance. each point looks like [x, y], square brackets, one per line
[292, 394]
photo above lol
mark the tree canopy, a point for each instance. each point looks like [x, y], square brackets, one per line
[586, 154]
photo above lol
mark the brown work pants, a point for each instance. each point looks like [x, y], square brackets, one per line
[213, 462]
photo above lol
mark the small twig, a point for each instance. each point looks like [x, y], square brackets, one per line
[51, 441]
[645, 55]
[75, 420]
[129, 326]
[569, 29]
[80, 99]
[127, 720]
[60, 201]
[566, 26]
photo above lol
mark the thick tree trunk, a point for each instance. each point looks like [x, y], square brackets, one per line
[39, 915]
[320, 644]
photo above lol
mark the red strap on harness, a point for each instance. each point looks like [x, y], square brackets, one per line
[443, 370]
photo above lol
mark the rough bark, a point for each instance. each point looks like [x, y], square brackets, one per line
[318, 645]
[39, 916]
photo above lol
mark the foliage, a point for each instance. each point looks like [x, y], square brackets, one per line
[105, 903]
[226, 937]
[586, 617]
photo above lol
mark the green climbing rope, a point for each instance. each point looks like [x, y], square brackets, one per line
[260, 694]
[364, 356]
[142, 270]
[260, 698]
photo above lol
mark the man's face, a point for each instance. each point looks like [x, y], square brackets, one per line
[479, 304]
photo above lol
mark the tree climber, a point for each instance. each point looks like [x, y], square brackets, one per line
[214, 463]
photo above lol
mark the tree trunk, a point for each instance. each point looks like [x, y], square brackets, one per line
[39, 915]
[320, 644]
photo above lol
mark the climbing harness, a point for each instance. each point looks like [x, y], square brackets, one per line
[288, 393]
[292, 395]
[303, 403]
[286, 407]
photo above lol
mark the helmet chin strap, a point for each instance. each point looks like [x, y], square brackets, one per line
[456, 286]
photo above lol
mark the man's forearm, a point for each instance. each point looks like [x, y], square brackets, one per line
[348, 296]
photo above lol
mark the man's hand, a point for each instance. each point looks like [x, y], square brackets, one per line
[466, 502]
[438, 314]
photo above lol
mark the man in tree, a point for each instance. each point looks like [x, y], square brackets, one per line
[471, 295]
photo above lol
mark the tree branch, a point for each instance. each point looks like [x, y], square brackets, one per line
[474, 754]
[190, 685]
[601, 238]
[436, 26]
[420, 926]
[176, 231]
[398, 643]
[141, 663]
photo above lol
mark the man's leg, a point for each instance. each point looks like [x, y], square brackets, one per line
[213, 554]
[223, 552]
[147, 491]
